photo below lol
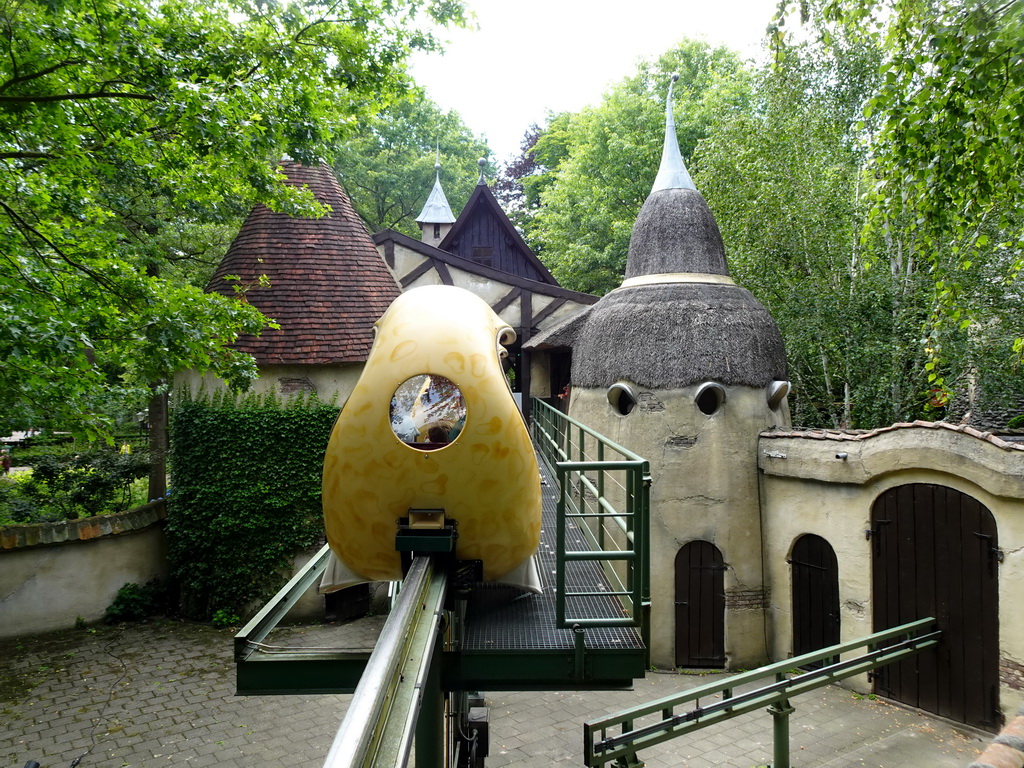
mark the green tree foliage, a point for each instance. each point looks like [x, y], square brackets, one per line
[784, 182]
[245, 496]
[521, 180]
[790, 183]
[599, 164]
[126, 126]
[946, 149]
[387, 166]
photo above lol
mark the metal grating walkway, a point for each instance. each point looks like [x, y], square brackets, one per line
[500, 618]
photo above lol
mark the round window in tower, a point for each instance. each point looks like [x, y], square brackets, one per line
[622, 398]
[710, 397]
[776, 393]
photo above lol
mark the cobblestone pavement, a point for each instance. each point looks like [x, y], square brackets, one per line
[162, 693]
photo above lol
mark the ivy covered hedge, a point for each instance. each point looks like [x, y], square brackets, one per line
[245, 495]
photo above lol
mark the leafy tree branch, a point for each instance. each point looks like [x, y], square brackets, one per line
[133, 136]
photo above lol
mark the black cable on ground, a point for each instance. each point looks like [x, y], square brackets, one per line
[110, 697]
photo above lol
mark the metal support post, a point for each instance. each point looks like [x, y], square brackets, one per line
[579, 639]
[780, 712]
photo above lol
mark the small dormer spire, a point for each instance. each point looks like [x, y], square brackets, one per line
[482, 162]
[672, 174]
[436, 218]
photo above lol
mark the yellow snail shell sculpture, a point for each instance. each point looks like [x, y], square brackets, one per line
[435, 363]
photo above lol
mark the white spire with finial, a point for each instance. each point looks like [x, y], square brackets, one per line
[436, 210]
[672, 174]
[482, 162]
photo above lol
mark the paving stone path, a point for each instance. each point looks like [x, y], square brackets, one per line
[162, 694]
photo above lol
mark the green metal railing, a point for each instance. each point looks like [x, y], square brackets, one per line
[602, 745]
[604, 507]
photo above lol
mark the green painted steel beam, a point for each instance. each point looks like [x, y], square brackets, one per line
[327, 672]
[550, 670]
[294, 673]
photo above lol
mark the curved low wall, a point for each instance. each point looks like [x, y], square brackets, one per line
[52, 574]
[825, 482]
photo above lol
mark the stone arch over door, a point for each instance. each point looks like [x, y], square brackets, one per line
[815, 573]
[935, 553]
[700, 606]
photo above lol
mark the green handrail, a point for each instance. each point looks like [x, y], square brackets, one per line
[602, 746]
[601, 484]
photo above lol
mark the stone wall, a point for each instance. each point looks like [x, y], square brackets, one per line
[52, 574]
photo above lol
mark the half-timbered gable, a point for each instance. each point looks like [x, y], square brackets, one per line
[484, 235]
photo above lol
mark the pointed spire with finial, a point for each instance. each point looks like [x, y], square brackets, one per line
[436, 210]
[436, 218]
[482, 162]
[672, 174]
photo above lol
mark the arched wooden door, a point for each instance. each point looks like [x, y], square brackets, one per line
[815, 595]
[935, 553]
[700, 606]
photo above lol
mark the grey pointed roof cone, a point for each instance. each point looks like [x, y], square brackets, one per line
[436, 210]
[672, 174]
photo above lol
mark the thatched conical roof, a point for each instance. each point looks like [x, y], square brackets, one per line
[328, 284]
[669, 336]
[675, 233]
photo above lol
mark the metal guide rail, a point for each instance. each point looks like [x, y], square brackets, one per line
[393, 693]
[602, 745]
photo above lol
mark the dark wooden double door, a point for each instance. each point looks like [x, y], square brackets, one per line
[935, 553]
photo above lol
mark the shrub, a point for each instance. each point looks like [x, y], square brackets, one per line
[1017, 422]
[85, 483]
[135, 603]
[66, 486]
[224, 618]
[14, 507]
[245, 495]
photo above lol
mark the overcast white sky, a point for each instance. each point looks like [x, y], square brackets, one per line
[531, 56]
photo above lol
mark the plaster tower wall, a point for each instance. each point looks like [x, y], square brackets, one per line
[704, 487]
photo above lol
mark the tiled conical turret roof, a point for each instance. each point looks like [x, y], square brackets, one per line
[328, 284]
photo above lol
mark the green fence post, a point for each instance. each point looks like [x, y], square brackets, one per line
[780, 712]
[560, 549]
[600, 495]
